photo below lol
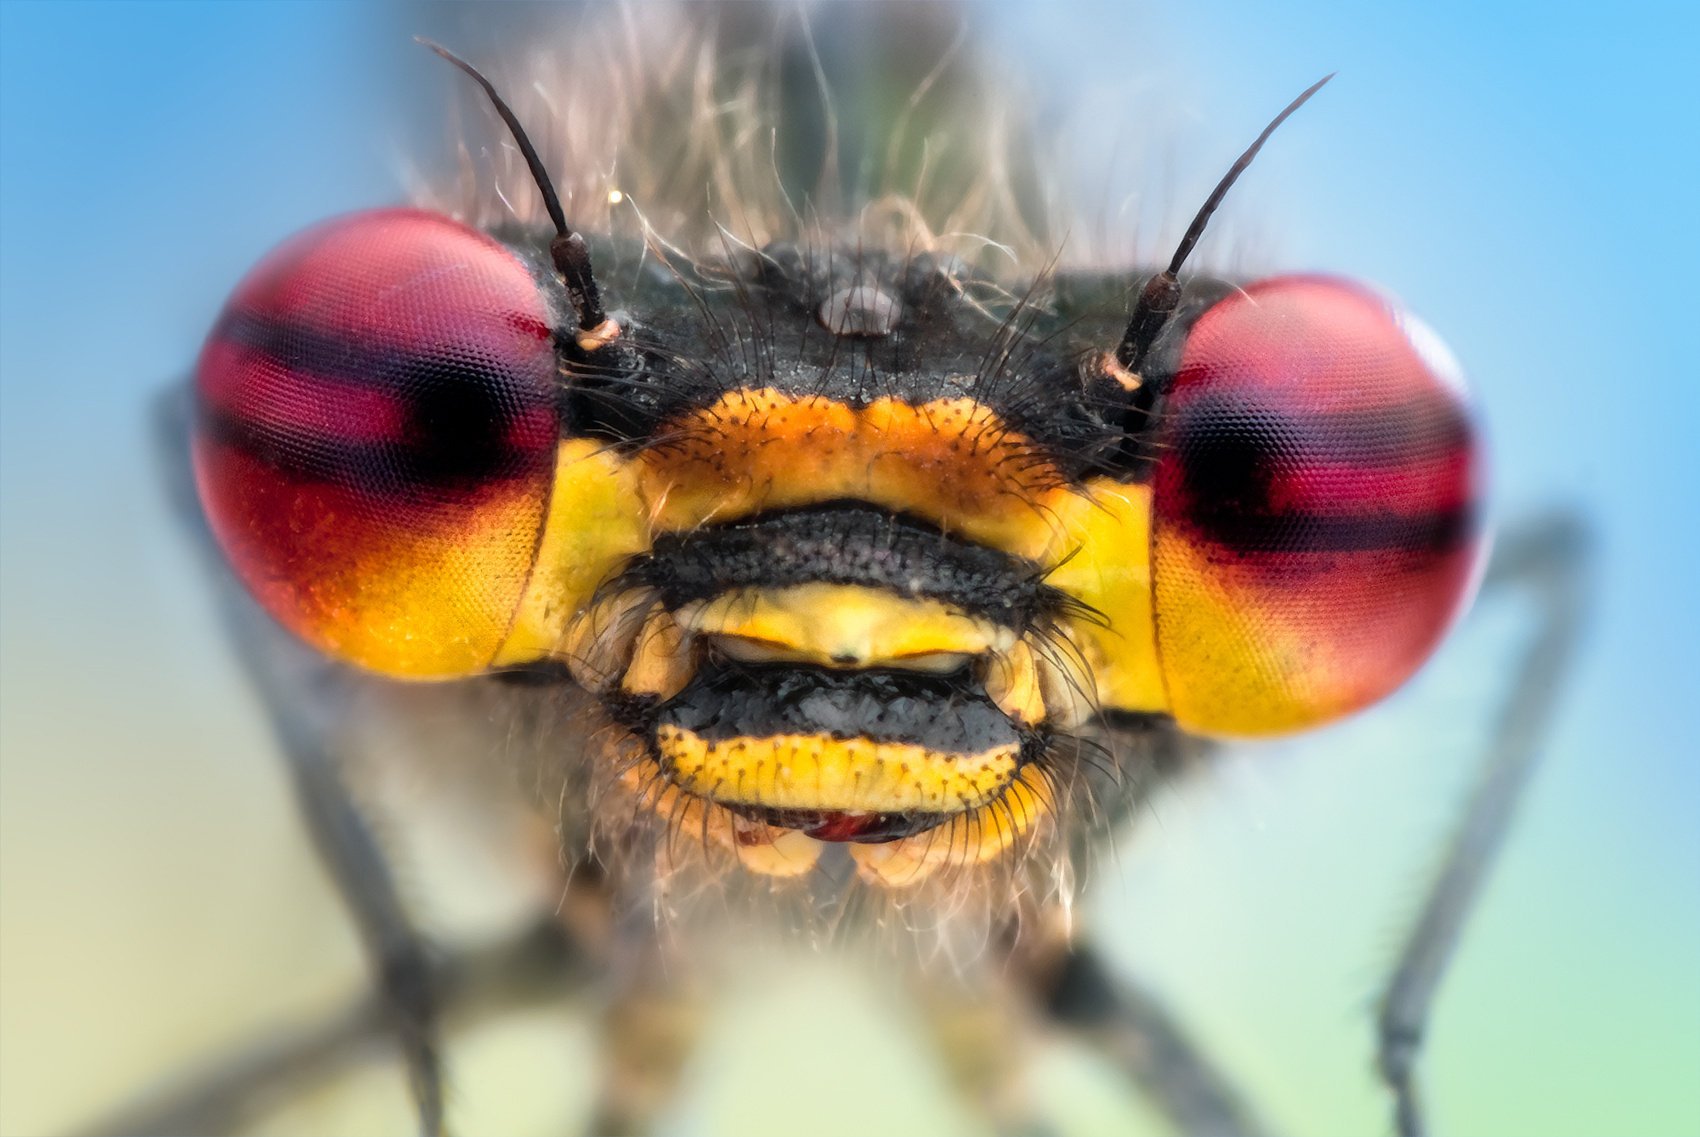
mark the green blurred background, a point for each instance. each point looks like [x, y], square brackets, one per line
[1521, 173]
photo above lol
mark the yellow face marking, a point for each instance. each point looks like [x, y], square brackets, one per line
[970, 838]
[840, 625]
[1098, 538]
[963, 470]
[593, 526]
[819, 772]
[759, 847]
[788, 853]
[951, 462]
[1110, 571]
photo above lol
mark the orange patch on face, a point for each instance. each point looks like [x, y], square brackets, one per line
[952, 461]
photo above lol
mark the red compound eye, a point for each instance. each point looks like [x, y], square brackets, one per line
[1316, 506]
[376, 438]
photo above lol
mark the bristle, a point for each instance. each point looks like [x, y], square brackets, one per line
[658, 123]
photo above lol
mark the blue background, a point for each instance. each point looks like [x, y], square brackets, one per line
[1522, 174]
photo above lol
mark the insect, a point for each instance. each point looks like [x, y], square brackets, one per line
[835, 577]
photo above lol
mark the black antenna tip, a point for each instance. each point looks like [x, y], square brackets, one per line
[539, 174]
[1196, 229]
[1161, 295]
[445, 53]
[568, 251]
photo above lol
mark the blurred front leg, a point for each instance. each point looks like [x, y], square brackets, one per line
[308, 702]
[1549, 560]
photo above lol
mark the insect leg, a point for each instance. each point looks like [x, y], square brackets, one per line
[475, 983]
[307, 701]
[1549, 560]
[1129, 1027]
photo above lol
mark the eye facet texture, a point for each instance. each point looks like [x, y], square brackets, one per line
[376, 438]
[1316, 507]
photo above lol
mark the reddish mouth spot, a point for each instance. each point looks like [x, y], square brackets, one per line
[844, 825]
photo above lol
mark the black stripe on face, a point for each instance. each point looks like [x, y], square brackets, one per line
[850, 544]
[944, 713]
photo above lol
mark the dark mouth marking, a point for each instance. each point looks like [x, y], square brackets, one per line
[842, 826]
[943, 713]
[847, 543]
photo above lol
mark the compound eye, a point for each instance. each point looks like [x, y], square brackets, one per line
[1316, 506]
[376, 438]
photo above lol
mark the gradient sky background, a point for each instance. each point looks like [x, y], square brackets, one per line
[1522, 174]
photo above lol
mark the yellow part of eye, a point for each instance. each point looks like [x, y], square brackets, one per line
[1244, 661]
[841, 625]
[1235, 669]
[951, 460]
[432, 605]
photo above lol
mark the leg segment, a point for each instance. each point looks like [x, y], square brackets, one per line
[307, 701]
[1130, 1028]
[651, 1013]
[1548, 559]
[474, 984]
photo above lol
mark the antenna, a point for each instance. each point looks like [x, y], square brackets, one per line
[1162, 293]
[568, 251]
